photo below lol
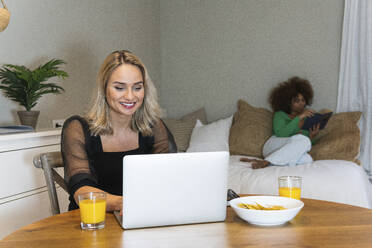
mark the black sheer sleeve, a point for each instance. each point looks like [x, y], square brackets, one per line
[163, 139]
[75, 155]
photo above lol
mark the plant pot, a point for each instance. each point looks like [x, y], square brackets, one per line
[28, 118]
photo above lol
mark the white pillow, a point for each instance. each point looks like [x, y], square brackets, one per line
[211, 137]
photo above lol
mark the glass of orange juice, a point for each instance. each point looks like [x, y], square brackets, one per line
[290, 186]
[92, 210]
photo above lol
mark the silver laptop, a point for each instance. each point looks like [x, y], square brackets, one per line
[173, 189]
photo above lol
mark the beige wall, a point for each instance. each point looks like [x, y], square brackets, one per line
[199, 53]
[82, 33]
[214, 52]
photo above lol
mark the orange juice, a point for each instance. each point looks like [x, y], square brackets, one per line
[292, 192]
[92, 211]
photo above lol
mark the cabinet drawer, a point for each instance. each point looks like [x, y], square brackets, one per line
[27, 208]
[17, 172]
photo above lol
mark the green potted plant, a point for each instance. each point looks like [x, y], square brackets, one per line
[26, 86]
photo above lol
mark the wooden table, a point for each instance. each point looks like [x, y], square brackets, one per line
[319, 224]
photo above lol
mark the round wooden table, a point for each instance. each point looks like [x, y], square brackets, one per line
[319, 224]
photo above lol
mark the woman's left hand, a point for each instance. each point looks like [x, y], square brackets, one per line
[314, 131]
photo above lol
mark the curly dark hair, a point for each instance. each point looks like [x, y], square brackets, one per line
[281, 96]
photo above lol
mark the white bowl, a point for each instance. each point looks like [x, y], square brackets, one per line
[267, 217]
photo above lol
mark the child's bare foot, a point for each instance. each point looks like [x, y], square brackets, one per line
[256, 164]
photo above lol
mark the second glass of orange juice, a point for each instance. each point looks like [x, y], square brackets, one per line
[92, 210]
[290, 186]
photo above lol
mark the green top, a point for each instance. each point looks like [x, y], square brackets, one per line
[284, 126]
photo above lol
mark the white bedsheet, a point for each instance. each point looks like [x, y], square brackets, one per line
[330, 180]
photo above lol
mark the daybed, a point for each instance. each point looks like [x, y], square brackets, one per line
[333, 176]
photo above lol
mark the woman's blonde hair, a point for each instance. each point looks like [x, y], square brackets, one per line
[99, 114]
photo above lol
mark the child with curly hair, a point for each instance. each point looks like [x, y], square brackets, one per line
[289, 144]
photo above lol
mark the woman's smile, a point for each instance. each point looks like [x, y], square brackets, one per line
[128, 105]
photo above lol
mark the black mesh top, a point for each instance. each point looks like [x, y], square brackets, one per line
[86, 164]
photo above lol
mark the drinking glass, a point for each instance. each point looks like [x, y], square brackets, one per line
[92, 210]
[290, 186]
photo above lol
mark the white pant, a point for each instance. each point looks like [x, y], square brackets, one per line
[288, 151]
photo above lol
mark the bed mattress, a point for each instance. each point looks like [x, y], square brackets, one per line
[329, 180]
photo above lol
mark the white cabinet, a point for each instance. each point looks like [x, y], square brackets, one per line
[23, 194]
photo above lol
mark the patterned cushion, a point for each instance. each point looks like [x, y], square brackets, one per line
[250, 129]
[340, 139]
[182, 128]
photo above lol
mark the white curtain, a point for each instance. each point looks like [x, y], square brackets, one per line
[355, 79]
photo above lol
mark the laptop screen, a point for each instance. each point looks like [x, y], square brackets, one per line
[174, 188]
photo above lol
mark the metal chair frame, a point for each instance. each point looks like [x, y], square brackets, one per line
[48, 162]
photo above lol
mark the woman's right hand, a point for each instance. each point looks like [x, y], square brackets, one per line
[306, 113]
[113, 202]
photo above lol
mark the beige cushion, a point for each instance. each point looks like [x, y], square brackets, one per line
[182, 128]
[340, 139]
[250, 129]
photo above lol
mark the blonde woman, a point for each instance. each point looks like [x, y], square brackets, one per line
[124, 119]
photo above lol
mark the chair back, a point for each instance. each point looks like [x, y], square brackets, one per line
[48, 162]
